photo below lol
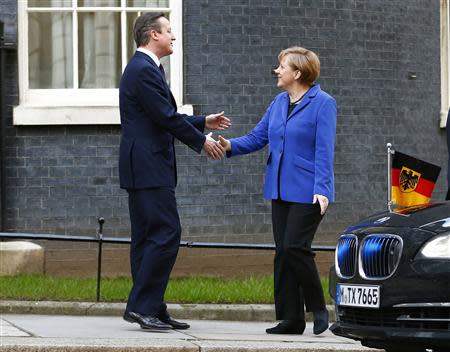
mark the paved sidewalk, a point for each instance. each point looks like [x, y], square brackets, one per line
[51, 333]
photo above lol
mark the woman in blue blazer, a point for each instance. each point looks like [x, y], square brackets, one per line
[300, 128]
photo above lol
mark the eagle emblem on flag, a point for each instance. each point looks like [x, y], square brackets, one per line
[408, 179]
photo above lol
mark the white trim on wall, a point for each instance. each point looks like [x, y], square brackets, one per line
[73, 115]
[87, 106]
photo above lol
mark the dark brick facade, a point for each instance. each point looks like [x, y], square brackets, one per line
[60, 179]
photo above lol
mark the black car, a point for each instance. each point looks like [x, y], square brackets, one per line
[391, 280]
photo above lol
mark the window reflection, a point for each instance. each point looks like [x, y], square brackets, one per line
[99, 58]
[50, 50]
[98, 3]
[131, 45]
[148, 3]
[49, 3]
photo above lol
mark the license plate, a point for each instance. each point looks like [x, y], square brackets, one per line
[358, 296]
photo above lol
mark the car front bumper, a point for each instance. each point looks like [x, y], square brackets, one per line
[378, 337]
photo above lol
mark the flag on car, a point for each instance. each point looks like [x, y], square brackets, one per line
[413, 180]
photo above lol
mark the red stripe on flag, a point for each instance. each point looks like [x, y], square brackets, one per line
[395, 177]
[425, 187]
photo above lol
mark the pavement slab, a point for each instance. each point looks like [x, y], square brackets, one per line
[8, 329]
[51, 333]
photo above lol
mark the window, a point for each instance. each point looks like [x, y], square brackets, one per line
[72, 54]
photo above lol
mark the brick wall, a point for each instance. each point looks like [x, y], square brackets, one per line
[60, 179]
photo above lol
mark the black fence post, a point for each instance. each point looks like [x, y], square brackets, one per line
[101, 221]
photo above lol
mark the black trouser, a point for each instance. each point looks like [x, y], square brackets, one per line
[155, 239]
[296, 280]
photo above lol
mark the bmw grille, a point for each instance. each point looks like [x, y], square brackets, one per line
[379, 256]
[346, 254]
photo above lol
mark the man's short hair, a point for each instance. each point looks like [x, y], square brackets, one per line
[143, 25]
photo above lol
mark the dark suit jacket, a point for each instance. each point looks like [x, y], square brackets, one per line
[149, 122]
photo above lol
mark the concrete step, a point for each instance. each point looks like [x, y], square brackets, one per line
[230, 312]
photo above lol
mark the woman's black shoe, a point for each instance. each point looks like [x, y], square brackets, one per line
[320, 321]
[288, 327]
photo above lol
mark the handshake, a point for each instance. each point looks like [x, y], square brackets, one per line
[216, 149]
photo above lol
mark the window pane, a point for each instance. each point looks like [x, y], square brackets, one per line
[165, 61]
[99, 3]
[131, 45]
[148, 3]
[99, 53]
[49, 3]
[50, 50]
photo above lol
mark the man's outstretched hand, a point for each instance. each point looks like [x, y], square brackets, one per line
[217, 121]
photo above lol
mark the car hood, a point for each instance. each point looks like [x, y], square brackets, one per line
[433, 217]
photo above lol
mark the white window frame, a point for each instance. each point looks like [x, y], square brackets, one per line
[445, 64]
[87, 106]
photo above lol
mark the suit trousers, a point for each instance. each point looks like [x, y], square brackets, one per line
[296, 279]
[155, 239]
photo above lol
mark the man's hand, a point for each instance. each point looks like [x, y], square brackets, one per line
[213, 148]
[323, 202]
[225, 143]
[217, 121]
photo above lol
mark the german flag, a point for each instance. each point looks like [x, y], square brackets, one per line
[413, 180]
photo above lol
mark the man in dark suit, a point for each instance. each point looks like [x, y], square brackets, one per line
[147, 169]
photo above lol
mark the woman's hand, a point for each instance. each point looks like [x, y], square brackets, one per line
[213, 148]
[225, 143]
[323, 202]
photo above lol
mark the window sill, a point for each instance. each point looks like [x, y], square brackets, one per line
[72, 115]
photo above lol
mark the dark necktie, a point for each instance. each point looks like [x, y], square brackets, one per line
[161, 68]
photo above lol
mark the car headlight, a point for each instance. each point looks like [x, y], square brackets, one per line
[438, 247]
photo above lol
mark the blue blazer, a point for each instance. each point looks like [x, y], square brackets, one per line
[301, 147]
[149, 122]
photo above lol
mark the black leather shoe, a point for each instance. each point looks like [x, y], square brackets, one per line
[177, 325]
[146, 321]
[127, 317]
[320, 322]
[288, 327]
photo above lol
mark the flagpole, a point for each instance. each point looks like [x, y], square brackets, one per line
[389, 175]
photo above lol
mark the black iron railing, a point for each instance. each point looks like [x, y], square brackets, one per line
[100, 239]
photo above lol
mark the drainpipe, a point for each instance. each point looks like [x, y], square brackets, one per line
[5, 47]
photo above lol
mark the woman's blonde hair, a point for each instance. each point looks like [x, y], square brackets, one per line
[304, 60]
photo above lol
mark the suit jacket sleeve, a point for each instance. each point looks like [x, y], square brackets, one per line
[153, 97]
[255, 140]
[324, 151]
[198, 122]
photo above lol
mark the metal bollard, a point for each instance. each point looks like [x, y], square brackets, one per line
[101, 221]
